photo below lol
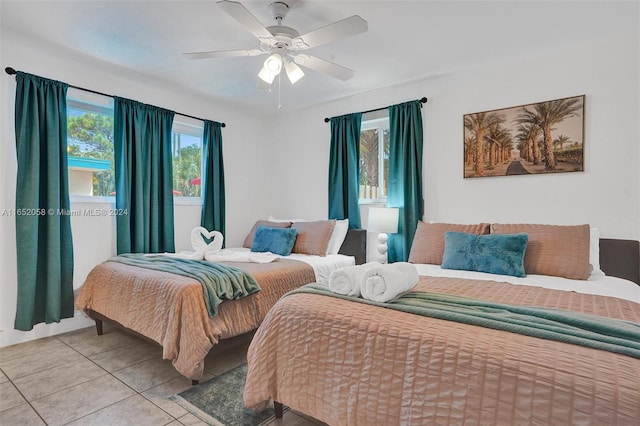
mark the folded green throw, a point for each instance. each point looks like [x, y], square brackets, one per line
[219, 281]
[592, 331]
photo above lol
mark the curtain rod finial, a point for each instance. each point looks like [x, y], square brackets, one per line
[423, 100]
[326, 120]
[10, 71]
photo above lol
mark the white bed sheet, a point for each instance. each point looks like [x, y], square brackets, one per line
[596, 284]
[322, 266]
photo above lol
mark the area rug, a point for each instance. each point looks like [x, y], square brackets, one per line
[218, 401]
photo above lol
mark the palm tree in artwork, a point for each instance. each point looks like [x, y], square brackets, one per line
[561, 140]
[496, 133]
[478, 125]
[528, 134]
[545, 115]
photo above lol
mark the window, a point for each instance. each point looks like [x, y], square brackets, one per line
[186, 148]
[90, 149]
[90, 145]
[374, 158]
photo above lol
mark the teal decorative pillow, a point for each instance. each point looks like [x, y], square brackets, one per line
[275, 240]
[496, 254]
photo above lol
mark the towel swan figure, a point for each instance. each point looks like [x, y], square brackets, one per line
[200, 246]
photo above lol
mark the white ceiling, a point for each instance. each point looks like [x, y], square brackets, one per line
[407, 40]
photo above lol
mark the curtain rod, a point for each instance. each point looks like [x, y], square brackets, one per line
[12, 71]
[423, 100]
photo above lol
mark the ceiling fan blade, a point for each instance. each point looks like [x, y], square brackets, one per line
[324, 66]
[240, 13]
[341, 29]
[223, 54]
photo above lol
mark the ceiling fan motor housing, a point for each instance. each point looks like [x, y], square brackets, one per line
[279, 10]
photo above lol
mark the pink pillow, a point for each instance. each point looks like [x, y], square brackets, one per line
[557, 250]
[428, 242]
[313, 237]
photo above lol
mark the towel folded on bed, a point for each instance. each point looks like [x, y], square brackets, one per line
[382, 283]
[347, 281]
[201, 249]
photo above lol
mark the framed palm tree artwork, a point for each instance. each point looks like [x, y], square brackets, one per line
[544, 137]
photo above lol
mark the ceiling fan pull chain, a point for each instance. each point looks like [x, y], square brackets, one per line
[279, 85]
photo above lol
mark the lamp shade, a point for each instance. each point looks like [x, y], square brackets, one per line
[383, 219]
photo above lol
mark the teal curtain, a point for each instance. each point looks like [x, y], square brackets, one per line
[405, 175]
[43, 230]
[144, 177]
[344, 169]
[213, 204]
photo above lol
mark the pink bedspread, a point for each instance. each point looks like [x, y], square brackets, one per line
[169, 309]
[348, 363]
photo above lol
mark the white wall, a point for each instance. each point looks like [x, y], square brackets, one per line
[280, 166]
[606, 194]
[246, 150]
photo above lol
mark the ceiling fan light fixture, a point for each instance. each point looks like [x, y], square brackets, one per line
[266, 75]
[273, 64]
[294, 72]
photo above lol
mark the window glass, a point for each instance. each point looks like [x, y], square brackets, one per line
[374, 159]
[90, 148]
[187, 159]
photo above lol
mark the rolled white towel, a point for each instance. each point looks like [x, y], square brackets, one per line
[384, 282]
[347, 281]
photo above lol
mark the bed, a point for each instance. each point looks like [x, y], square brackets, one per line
[349, 363]
[169, 308]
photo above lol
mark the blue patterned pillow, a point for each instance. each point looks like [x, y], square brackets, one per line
[497, 254]
[275, 240]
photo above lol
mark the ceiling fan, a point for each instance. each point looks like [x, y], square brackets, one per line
[284, 44]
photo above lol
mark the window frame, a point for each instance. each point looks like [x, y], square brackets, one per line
[94, 103]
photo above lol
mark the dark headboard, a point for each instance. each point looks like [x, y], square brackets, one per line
[620, 258]
[355, 244]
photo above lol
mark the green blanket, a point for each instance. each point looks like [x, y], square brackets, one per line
[592, 331]
[219, 282]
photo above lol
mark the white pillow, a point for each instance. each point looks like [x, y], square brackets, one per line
[338, 236]
[594, 251]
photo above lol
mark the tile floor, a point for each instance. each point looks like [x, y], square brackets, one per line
[79, 378]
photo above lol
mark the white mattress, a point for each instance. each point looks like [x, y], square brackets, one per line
[596, 284]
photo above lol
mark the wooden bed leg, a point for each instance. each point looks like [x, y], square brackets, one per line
[194, 382]
[99, 327]
[277, 406]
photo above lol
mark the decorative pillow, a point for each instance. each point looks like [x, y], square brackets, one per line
[248, 241]
[557, 250]
[313, 237]
[275, 240]
[428, 242]
[495, 254]
[337, 236]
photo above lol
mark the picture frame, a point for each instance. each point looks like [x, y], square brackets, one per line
[537, 138]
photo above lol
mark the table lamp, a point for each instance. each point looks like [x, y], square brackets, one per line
[383, 220]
